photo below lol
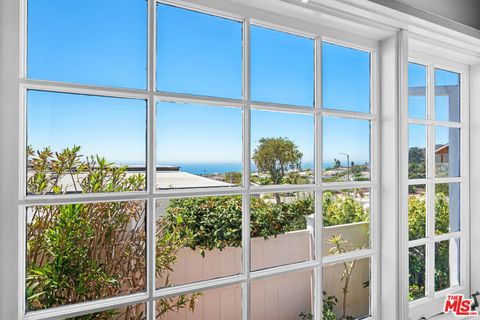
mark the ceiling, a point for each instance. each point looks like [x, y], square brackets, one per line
[466, 12]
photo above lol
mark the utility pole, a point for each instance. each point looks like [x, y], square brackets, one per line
[348, 165]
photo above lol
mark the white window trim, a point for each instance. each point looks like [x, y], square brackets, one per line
[151, 194]
[430, 305]
[337, 19]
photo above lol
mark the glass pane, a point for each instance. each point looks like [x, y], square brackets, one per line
[282, 67]
[132, 312]
[417, 91]
[417, 142]
[88, 42]
[84, 252]
[281, 229]
[346, 149]
[447, 96]
[346, 290]
[447, 207]
[198, 239]
[84, 144]
[346, 216]
[213, 304]
[198, 53]
[417, 211]
[282, 148]
[447, 264]
[288, 296]
[447, 152]
[416, 265]
[198, 146]
[346, 78]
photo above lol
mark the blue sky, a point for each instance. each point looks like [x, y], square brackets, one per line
[104, 43]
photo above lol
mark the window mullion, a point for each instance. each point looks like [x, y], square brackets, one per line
[246, 243]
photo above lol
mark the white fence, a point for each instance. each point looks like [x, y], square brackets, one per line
[277, 298]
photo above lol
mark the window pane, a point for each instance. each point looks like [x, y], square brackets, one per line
[346, 149]
[416, 265]
[417, 142]
[198, 53]
[282, 67]
[417, 91]
[198, 239]
[213, 304]
[132, 312]
[346, 216]
[346, 288]
[88, 42]
[447, 207]
[83, 252]
[346, 78]
[417, 211]
[447, 264]
[198, 146]
[282, 148]
[447, 96]
[282, 297]
[281, 229]
[84, 144]
[447, 152]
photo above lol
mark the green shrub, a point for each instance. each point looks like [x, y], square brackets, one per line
[417, 259]
[342, 209]
[216, 221]
[89, 251]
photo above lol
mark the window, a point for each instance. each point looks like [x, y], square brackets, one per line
[436, 163]
[198, 165]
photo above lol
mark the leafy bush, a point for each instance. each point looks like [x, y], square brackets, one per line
[342, 209]
[417, 258]
[88, 251]
[216, 221]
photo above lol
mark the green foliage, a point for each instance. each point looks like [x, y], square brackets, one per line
[417, 258]
[442, 213]
[416, 163]
[417, 212]
[216, 222]
[342, 208]
[329, 303]
[233, 177]
[276, 156]
[88, 251]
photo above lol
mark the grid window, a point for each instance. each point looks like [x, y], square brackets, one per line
[435, 188]
[223, 187]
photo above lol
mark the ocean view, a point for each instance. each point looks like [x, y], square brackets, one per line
[211, 168]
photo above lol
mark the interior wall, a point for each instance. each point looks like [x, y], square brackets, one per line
[465, 12]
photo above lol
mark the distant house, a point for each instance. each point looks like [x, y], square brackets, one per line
[441, 153]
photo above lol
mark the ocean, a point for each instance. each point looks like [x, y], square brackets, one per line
[211, 168]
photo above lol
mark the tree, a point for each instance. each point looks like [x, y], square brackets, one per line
[336, 164]
[276, 156]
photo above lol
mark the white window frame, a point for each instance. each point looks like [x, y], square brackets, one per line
[363, 23]
[432, 304]
[247, 17]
